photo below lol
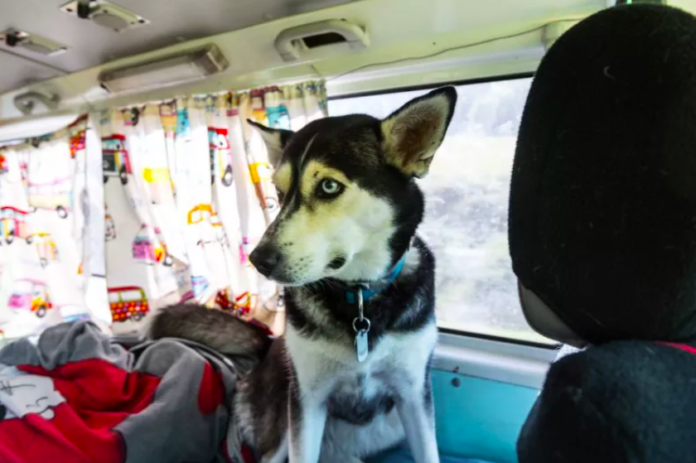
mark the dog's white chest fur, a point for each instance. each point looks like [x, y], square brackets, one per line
[361, 396]
[394, 362]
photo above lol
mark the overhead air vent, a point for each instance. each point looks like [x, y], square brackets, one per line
[105, 14]
[294, 42]
[31, 42]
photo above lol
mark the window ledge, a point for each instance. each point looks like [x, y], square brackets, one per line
[497, 361]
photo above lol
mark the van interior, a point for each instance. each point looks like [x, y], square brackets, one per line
[80, 62]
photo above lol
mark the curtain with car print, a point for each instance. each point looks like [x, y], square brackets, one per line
[188, 194]
[48, 247]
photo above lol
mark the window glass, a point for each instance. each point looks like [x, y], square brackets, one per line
[23, 287]
[466, 194]
[132, 295]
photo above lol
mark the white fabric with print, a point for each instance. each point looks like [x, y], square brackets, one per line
[22, 394]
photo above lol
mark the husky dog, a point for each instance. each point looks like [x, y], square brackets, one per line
[351, 375]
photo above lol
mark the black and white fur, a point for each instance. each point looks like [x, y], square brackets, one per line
[350, 212]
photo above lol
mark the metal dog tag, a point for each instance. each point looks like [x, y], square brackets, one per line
[361, 348]
[361, 326]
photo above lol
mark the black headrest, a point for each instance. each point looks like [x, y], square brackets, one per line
[603, 199]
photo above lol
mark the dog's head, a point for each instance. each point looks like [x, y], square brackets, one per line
[350, 204]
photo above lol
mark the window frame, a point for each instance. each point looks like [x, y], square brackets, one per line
[432, 86]
[447, 333]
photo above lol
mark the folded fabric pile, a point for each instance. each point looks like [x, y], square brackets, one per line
[77, 397]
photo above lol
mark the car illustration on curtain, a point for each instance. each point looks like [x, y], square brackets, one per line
[276, 110]
[261, 178]
[149, 250]
[220, 155]
[218, 236]
[30, 294]
[116, 162]
[13, 224]
[159, 183]
[128, 303]
[54, 195]
[200, 213]
[45, 247]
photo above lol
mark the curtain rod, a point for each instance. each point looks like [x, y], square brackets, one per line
[104, 104]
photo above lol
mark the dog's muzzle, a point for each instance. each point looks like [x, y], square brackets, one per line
[265, 259]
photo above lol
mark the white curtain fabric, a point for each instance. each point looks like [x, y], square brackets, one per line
[188, 195]
[48, 246]
[128, 210]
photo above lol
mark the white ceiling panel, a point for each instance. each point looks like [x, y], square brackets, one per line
[412, 42]
[171, 21]
[18, 71]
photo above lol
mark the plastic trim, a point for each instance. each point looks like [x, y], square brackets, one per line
[493, 360]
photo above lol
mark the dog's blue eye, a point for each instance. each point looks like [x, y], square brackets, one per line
[329, 188]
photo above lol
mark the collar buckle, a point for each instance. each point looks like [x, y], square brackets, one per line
[361, 323]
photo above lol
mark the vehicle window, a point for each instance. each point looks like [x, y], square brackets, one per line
[114, 297]
[467, 192]
[131, 295]
[23, 287]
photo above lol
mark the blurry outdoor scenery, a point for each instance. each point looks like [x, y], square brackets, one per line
[467, 202]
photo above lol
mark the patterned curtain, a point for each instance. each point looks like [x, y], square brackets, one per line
[188, 194]
[48, 247]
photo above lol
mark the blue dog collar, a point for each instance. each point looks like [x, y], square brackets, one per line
[368, 292]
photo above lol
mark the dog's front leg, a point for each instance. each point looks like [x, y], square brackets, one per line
[418, 417]
[307, 414]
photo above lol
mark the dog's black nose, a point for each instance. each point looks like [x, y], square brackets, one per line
[265, 258]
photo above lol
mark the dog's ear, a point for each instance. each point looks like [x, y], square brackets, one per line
[275, 139]
[413, 133]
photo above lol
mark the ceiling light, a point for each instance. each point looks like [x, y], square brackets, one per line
[31, 42]
[171, 70]
[105, 14]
